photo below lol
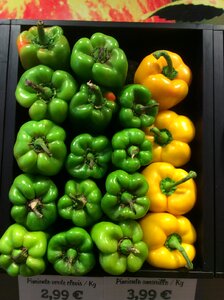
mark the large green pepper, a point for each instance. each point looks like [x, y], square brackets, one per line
[100, 59]
[89, 110]
[40, 147]
[138, 109]
[46, 93]
[81, 202]
[120, 246]
[131, 149]
[34, 201]
[23, 252]
[125, 196]
[90, 156]
[47, 46]
[71, 252]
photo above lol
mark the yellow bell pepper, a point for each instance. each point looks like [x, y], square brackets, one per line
[166, 76]
[170, 136]
[170, 240]
[171, 189]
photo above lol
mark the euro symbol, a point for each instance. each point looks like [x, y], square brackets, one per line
[78, 295]
[166, 294]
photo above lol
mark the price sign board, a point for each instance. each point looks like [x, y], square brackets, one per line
[124, 288]
[60, 288]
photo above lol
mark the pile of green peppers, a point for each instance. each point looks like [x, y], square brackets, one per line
[79, 193]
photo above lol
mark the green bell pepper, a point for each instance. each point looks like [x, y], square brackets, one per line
[131, 149]
[81, 202]
[138, 109]
[40, 148]
[90, 111]
[33, 199]
[100, 59]
[125, 196]
[71, 252]
[47, 46]
[90, 156]
[120, 246]
[23, 252]
[46, 93]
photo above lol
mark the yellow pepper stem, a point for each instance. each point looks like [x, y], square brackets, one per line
[162, 137]
[42, 38]
[168, 186]
[168, 70]
[173, 242]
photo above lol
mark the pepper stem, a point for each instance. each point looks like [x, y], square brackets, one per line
[125, 247]
[45, 92]
[21, 257]
[41, 33]
[142, 109]
[168, 70]
[133, 151]
[39, 143]
[190, 175]
[162, 137]
[33, 204]
[79, 200]
[173, 242]
[95, 89]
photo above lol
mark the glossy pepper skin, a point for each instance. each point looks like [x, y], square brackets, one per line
[100, 59]
[170, 135]
[23, 252]
[125, 196]
[171, 189]
[90, 111]
[46, 93]
[71, 252]
[131, 150]
[90, 156]
[170, 240]
[47, 46]
[120, 246]
[166, 76]
[81, 202]
[137, 108]
[40, 147]
[33, 199]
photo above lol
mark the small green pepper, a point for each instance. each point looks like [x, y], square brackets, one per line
[101, 60]
[131, 149]
[120, 246]
[46, 93]
[71, 252]
[81, 202]
[90, 111]
[23, 252]
[125, 196]
[138, 109]
[90, 156]
[40, 148]
[34, 201]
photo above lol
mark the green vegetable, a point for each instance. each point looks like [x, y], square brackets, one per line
[71, 252]
[40, 147]
[23, 252]
[137, 110]
[81, 202]
[131, 150]
[47, 46]
[125, 196]
[120, 246]
[100, 59]
[90, 156]
[89, 110]
[33, 200]
[46, 93]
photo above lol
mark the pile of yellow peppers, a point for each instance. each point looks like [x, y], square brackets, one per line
[170, 235]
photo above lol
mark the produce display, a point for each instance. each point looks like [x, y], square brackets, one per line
[103, 176]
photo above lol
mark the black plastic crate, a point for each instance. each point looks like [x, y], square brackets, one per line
[219, 147]
[195, 44]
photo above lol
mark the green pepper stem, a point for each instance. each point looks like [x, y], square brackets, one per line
[190, 175]
[33, 204]
[133, 151]
[125, 247]
[162, 137]
[99, 99]
[45, 92]
[79, 200]
[174, 242]
[21, 257]
[168, 70]
[40, 143]
[41, 33]
[139, 108]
